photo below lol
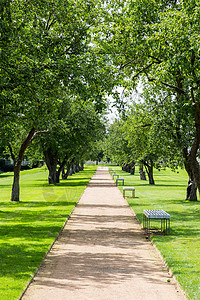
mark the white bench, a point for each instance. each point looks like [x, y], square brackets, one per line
[129, 188]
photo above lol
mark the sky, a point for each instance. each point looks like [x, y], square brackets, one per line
[113, 113]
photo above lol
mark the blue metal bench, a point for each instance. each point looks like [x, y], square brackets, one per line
[118, 180]
[150, 214]
[117, 175]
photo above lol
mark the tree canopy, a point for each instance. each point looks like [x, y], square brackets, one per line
[86, 49]
[157, 43]
[46, 49]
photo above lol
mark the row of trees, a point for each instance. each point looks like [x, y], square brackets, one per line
[58, 54]
[157, 43]
[147, 134]
[52, 83]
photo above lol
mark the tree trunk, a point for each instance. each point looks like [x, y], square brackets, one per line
[124, 167]
[66, 174]
[194, 165]
[150, 175]
[196, 177]
[191, 191]
[18, 163]
[149, 169]
[51, 159]
[69, 171]
[132, 168]
[15, 186]
[52, 178]
[77, 168]
[73, 168]
[191, 188]
[58, 176]
[142, 173]
[193, 181]
[61, 167]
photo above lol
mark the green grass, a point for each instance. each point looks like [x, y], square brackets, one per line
[180, 249]
[28, 228]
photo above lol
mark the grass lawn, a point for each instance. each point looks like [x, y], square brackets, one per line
[180, 249]
[28, 228]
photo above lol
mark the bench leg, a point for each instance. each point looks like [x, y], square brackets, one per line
[168, 227]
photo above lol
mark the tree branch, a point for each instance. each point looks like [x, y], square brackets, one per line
[143, 70]
[170, 85]
[38, 133]
[126, 64]
[11, 152]
[155, 58]
[176, 88]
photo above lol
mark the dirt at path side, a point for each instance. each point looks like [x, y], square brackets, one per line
[103, 254]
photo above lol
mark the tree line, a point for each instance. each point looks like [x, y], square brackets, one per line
[52, 83]
[156, 44]
[60, 60]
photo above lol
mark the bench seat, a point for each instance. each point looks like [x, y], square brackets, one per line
[118, 180]
[129, 188]
[150, 214]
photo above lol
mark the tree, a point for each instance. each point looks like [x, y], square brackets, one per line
[45, 47]
[117, 143]
[77, 128]
[157, 42]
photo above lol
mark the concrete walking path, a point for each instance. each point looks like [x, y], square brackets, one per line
[102, 254]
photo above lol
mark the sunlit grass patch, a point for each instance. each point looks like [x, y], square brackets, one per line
[180, 249]
[28, 228]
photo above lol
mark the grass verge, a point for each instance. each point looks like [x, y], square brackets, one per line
[28, 228]
[181, 248]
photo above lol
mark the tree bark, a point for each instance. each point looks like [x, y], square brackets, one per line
[191, 191]
[191, 164]
[132, 168]
[191, 194]
[66, 174]
[61, 167]
[51, 159]
[195, 147]
[142, 173]
[69, 171]
[15, 186]
[73, 168]
[77, 168]
[194, 177]
[149, 169]
[18, 163]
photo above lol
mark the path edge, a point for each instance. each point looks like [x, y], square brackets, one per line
[176, 283]
[51, 246]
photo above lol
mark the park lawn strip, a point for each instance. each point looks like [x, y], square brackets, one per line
[29, 227]
[180, 249]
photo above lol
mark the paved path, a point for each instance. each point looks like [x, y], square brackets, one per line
[102, 254]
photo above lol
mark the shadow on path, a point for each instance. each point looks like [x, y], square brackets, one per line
[102, 253]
